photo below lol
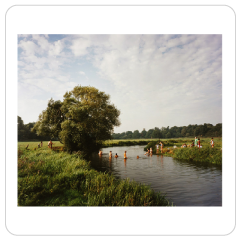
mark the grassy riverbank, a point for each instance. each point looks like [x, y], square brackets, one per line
[49, 178]
[205, 154]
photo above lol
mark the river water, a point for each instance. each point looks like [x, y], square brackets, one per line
[184, 183]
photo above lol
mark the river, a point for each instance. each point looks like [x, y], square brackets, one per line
[184, 183]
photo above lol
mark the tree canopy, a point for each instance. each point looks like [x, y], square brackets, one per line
[81, 121]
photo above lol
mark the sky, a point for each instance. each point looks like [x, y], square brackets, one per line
[154, 80]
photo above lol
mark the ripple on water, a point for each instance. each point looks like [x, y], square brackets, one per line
[185, 183]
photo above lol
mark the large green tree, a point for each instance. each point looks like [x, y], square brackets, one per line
[82, 121]
[50, 120]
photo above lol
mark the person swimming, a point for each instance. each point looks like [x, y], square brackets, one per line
[116, 156]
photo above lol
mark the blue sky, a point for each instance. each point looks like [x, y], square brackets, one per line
[154, 80]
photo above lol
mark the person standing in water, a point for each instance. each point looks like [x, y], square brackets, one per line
[157, 148]
[116, 156]
[161, 144]
[110, 154]
[125, 155]
[147, 152]
[212, 143]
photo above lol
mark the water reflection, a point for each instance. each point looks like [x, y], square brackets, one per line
[186, 183]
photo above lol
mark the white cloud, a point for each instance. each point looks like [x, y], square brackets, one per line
[29, 48]
[56, 48]
[79, 46]
[82, 73]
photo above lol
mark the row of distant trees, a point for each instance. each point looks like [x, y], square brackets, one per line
[203, 130]
[25, 133]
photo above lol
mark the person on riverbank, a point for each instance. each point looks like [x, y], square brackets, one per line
[50, 144]
[100, 153]
[192, 145]
[125, 155]
[212, 143]
[116, 156]
[150, 151]
[196, 141]
[41, 143]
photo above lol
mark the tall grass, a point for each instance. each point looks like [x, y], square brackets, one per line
[49, 178]
[206, 154]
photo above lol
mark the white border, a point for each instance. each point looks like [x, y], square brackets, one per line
[121, 20]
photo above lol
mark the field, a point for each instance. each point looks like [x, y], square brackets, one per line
[33, 145]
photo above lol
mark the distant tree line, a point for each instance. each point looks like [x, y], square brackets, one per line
[25, 133]
[203, 130]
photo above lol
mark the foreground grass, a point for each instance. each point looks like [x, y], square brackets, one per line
[48, 178]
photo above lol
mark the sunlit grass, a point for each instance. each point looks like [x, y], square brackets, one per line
[33, 145]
